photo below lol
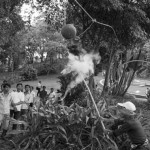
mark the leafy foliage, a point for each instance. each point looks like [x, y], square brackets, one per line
[29, 73]
[76, 94]
[62, 127]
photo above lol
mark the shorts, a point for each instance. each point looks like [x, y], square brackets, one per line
[4, 121]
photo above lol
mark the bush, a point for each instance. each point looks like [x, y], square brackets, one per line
[59, 127]
[13, 78]
[77, 94]
[29, 73]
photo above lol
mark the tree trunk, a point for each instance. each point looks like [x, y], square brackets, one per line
[133, 74]
[126, 79]
[105, 87]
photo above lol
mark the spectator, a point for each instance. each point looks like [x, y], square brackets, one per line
[52, 95]
[17, 97]
[33, 94]
[58, 94]
[28, 101]
[5, 102]
[39, 87]
[43, 94]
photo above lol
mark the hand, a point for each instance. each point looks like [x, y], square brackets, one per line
[107, 131]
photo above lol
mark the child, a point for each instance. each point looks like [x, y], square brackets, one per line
[130, 126]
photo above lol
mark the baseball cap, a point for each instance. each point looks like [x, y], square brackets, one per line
[128, 105]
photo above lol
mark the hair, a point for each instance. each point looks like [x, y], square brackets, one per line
[52, 88]
[44, 87]
[27, 85]
[5, 81]
[19, 84]
[6, 84]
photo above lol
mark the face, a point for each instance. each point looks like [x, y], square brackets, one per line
[19, 87]
[6, 89]
[27, 88]
[122, 111]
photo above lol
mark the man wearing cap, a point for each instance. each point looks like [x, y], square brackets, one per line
[127, 124]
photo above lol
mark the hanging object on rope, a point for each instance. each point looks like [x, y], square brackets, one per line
[68, 31]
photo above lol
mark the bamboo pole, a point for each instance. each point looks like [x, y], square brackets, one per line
[94, 104]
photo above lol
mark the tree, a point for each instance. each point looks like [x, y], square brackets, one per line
[130, 22]
[10, 23]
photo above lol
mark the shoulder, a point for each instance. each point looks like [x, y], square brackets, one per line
[119, 121]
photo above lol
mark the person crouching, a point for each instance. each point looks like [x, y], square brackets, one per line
[129, 125]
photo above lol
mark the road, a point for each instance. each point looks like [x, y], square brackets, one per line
[138, 86]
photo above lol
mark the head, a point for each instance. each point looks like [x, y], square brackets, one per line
[44, 88]
[40, 82]
[52, 89]
[6, 87]
[4, 82]
[19, 87]
[27, 88]
[126, 110]
[58, 91]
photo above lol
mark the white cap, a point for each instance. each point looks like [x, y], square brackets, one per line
[128, 105]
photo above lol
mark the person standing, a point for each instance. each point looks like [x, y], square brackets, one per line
[33, 95]
[27, 100]
[5, 102]
[43, 94]
[39, 87]
[17, 97]
[52, 95]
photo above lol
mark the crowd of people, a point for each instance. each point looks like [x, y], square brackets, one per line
[16, 103]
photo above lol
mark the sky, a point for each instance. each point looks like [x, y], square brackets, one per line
[27, 11]
[36, 15]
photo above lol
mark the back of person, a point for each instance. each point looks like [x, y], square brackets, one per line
[136, 132]
[43, 94]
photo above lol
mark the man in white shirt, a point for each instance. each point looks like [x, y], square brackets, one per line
[27, 99]
[5, 102]
[17, 97]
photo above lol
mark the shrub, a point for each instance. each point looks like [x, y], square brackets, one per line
[59, 127]
[77, 94]
[29, 73]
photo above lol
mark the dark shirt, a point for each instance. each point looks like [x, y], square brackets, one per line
[133, 128]
[43, 94]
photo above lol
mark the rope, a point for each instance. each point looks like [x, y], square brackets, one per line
[94, 20]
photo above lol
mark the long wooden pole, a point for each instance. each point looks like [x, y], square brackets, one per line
[94, 104]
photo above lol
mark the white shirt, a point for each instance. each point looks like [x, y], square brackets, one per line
[39, 85]
[52, 95]
[33, 94]
[5, 101]
[17, 97]
[28, 98]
